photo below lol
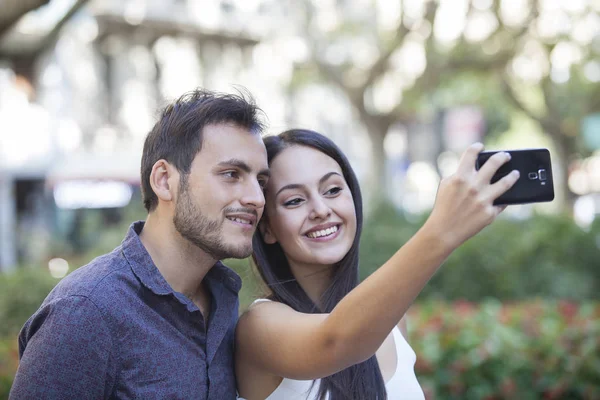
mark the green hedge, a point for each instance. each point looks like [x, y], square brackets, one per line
[542, 256]
[530, 350]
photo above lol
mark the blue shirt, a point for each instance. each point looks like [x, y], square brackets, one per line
[115, 329]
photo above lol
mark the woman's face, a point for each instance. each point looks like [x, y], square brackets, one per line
[310, 210]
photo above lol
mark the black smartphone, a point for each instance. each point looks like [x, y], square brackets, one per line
[535, 183]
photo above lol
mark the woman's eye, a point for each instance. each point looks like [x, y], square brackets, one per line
[333, 191]
[293, 202]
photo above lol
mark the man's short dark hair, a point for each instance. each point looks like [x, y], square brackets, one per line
[177, 135]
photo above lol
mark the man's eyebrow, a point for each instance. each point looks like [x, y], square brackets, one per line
[237, 163]
[299, 186]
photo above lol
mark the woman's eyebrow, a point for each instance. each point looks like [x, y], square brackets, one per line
[300, 186]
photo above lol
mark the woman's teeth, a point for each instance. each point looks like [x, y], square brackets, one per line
[324, 232]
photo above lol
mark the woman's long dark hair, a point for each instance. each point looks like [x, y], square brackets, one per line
[361, 381]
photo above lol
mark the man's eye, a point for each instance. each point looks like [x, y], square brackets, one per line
[231, 174]
[333, 191]
[293, 202]
[263, 183]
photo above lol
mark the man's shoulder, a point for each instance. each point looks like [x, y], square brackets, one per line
[92, 279]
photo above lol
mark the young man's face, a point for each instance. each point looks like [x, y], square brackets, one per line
[219, 206]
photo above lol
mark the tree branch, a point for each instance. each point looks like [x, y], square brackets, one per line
[52, 36]
[548, 125]
[13, 10]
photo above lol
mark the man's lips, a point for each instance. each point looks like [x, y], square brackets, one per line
[246, 219]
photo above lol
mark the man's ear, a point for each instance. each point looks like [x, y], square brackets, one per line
[265, 231]
[162, 180]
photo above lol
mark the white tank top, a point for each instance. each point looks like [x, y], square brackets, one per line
[402, 385]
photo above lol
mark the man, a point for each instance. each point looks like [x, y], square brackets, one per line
[155, 318]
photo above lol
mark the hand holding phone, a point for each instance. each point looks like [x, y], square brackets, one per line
[464, 201]
[535, 183]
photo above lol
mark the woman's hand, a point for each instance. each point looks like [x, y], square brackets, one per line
[464, 202]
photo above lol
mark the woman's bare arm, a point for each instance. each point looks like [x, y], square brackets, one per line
[280, 341]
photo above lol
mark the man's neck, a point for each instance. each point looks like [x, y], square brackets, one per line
[182, 264]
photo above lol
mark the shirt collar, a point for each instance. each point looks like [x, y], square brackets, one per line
[144, 268]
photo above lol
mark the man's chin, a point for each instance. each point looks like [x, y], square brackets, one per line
[240, 253]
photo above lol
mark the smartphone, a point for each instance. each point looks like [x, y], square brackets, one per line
[535, 183]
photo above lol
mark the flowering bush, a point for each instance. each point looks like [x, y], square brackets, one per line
[531, 350]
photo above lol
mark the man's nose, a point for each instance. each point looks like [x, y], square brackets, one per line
[254, 195]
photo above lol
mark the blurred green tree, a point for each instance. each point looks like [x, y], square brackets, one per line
[396, 62]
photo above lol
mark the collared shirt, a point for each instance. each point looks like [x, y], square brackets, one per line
[115, 329]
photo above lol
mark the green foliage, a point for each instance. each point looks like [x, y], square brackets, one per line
[21, 293]
[543, 256]
[9, 361]
[529, 350]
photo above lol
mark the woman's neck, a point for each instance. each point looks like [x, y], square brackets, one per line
[313, 279]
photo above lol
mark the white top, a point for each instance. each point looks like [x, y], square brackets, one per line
[402, 385]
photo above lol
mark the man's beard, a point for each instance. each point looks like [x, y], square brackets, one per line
[202, 232]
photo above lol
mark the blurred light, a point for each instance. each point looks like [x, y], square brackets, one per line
[513, 12]
[564, 55]
[423, 177]
[86, 28]
[551, 23]
[385, 93]
[389, 14]
[591, 70]
[296, 49]
[448, 163]
[450, 20]
[135, 11]
[414, 59]
[180, 67]
[69, 135]
[364, 52]
[482, 4]
[327, 20]
[247, 5]
[480, 26]
[584, 211]
[395, 142]
[532, 64]
[586, 29]
[52, 75]
[58, 267]
[413, 9]
[574, 6]
[578, 182]
[92, 194]
[560, 75]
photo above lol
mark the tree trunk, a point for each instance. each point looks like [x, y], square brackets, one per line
[377, 189]
[563, 196]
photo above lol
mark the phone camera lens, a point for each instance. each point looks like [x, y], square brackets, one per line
[532, 176]
[542, 174]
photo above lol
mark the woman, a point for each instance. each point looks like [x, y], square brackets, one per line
[321, 335]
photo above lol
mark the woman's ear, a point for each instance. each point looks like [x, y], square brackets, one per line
[265, 231]
[160, 180]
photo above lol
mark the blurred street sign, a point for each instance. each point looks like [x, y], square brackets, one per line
[590, 128]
